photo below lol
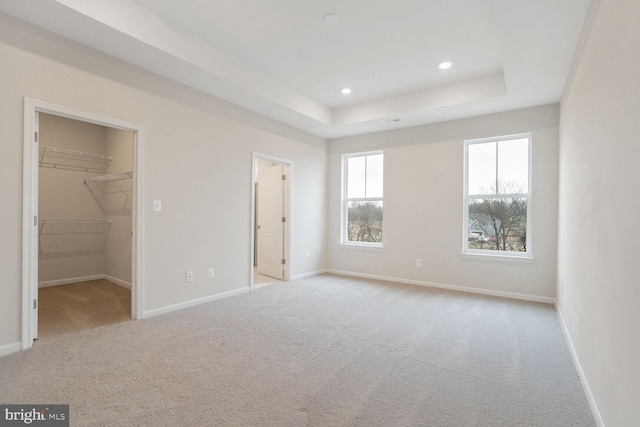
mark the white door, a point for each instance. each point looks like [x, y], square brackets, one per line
[270, 223]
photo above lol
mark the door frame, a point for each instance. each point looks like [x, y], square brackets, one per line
[287, 212]
[30, 175]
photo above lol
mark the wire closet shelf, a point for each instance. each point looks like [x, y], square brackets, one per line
[72, 237]
[61, 158]
[112, 192]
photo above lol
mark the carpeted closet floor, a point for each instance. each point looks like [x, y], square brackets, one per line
[79, 306]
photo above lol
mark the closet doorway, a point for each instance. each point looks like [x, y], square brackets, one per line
[85, 194]
[270, 220]
[80, 262]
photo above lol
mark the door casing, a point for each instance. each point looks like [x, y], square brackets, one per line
[30, 209]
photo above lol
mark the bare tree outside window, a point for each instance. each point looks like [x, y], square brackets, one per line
[363, 198]
[503, 224]
[497, 195]
[364, 222]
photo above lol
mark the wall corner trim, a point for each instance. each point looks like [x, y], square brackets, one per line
[70, 280]
[10, 348]
[583, 379]
[117, 281]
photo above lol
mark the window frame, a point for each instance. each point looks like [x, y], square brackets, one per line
[492, 253]
[345, 201]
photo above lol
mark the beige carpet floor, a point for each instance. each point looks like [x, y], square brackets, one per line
[84, 305]
[321, 351]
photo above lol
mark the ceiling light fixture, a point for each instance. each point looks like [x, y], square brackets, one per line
[331, 18]
[345, 91]
[445, 65]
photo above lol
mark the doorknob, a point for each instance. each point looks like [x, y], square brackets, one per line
[257, 226]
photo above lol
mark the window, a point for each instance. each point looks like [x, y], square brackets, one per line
[362, 200]
[497, 196]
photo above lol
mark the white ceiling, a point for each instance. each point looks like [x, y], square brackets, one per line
[281, 59]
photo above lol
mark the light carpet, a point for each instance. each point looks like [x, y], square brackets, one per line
[321, 351]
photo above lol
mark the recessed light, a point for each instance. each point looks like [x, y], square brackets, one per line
[331, 18]
[445, 65]
[345, 91]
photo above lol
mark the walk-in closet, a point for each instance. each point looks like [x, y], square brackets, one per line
[85, 198]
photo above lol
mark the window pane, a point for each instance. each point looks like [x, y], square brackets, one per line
[364, 222]
[498, 224]
[355, 177]
[374, 176]
[482, 168]
[513, 166]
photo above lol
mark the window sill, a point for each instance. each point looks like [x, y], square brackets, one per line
[362, 246]
[497, 257]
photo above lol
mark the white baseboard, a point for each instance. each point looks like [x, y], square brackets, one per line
[512, 295]
[117, 281]
[70, 280]
[583, 379]
[10, 348]
[312, 273]
[191, 303]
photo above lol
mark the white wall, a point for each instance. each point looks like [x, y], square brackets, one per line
[423, 203]
[598, 268]
[197, 160]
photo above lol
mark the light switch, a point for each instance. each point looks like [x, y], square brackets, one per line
[157, 205]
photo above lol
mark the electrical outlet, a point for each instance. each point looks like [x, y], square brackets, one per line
[307, 256]
[157, 205]
[189, 276]
[418, 262]
[210, 273]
